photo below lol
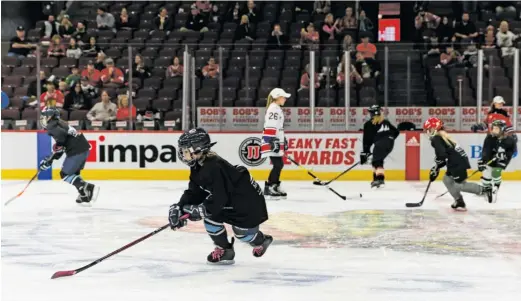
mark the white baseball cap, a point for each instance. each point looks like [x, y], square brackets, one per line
[278, 92]
[498, 99]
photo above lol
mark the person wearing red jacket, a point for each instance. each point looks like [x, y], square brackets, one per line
[52, 94]
[123, 111]
[91, 73]
[496, 113]
[111, 75]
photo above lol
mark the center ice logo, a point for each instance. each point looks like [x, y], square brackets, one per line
[141, 153]
[250, 152]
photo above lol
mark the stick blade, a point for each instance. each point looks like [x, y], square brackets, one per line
[412, 205]
[60, 274]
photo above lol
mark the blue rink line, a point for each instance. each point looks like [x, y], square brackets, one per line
[43, 149]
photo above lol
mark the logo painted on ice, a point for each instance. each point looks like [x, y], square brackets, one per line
[250, 152]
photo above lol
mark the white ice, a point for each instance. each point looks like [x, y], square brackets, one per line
[325, 248]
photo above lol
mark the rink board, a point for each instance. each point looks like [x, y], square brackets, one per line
[135, 155]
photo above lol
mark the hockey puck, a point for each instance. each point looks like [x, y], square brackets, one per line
[360, 195]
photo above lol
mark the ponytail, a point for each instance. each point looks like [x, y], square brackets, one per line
[269, 101]
[443, 134]
[377, 119]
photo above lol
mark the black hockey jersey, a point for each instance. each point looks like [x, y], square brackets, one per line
[450, 154]
[494, 145]
[228, 192]
[377, 132]
[73, 142]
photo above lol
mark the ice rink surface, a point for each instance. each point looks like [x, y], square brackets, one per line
[325, 248]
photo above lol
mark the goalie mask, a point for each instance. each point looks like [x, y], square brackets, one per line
[193, 145]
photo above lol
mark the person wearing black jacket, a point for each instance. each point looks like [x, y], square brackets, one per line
[76, 99]
[244, 30]
[219, 193]
[162, 21]
[449, 153]
[196, 21]
[381, 133]
[277, 39]
[76, 149]
[139, 69]
[499, 147]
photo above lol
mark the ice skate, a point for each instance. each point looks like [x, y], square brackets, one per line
[459, 205]
[258, 251]
[221, 256]
[281, 192]
[270, 192]
[487, 192]
[378, 184]
[88, 194]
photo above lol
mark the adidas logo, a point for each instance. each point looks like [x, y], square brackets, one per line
[412, 142]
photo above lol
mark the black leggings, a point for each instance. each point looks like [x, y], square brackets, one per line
[278, 164]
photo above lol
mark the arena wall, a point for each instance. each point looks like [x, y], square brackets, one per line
[120, 155]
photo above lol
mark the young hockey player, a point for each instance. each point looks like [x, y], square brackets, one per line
[274, 142]
[449, 154]
[499, 146]
[76, 149]
[381, 133]
[219, 192]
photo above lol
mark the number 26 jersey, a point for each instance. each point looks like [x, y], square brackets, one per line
[273, 128]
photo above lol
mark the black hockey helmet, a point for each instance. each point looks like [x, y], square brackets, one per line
[193, 142]
[501, 124]
[47, 114]
[375, 110]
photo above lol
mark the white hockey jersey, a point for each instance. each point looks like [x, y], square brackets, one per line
[273, 128]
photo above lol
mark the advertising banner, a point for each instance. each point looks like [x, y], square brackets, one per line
[333, 118]
[389, 30]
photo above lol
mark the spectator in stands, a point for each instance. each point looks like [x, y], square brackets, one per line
[174, 70]
[80, 34]
[50, 27]
[91, 49]
[466, 31]
[105, 20]
[66, 28]
[88, 89]
[445, 31]
[196, 21]
[449, 58]
[305, 79]
[349, 20]
[470, 56]
[162, 21]
[309, 38]
[433, 45]
[99, 64]
[354, 75]
[74, 49]
[92, 74]
[505, 39]
[212, 69]
[51, 94]
[366, 25]
[367, 67]
[123, 109]
[205, 7]
[105, 110]
[74, 77]
[489, 38]
[277, 39]
[252, 12]
[139, 69]
[19, 46]
[330, 28]
[367, 49]
[125, 22]
[244, 30]
[77, 99]
[111, 76]
[233, 14]
[348, 44]
[57, 48]
[322, 7]
[63, 87]
[44, 80]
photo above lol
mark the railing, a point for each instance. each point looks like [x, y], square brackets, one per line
[401, 80]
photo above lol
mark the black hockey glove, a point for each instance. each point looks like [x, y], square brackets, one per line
[433, 174]
[46, 163]
[275, 145]
[285, 144]
[363, 157]
[482, 165]
[174, 217]
[197, 212]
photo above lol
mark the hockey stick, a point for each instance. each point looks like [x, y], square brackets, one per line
[25, 188]
[471, 175]
[74, 272]
[320, 183]
[315, 177]
[423, 199]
